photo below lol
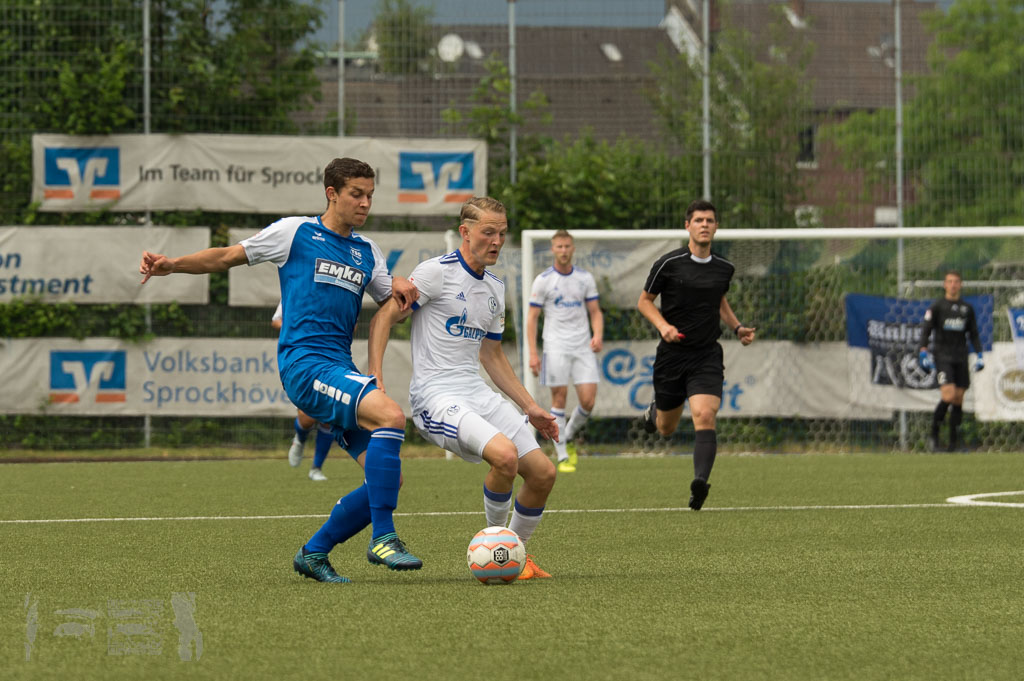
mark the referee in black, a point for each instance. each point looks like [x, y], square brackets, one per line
[692, 282]
[952, 320]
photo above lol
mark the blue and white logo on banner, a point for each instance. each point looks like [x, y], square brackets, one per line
[891, 329]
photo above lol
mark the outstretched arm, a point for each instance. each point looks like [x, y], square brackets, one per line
[493, 359]
[650, 311]
[387, 316]
[201, 262]
[729, 318]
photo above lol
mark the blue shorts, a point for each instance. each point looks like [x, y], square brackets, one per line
[327, 392]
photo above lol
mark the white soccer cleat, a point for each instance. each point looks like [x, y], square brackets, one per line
[295, 452]
[317, 475]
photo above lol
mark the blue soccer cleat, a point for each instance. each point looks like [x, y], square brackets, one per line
[389, 550]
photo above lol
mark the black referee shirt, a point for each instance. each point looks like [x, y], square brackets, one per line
[952, 321]
[691, 294]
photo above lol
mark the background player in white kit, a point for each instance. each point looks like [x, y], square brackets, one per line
[457, 324]
[567, 295]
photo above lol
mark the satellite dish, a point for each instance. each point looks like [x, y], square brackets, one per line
[450, 47]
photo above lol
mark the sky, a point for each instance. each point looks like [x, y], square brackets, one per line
[625, 13]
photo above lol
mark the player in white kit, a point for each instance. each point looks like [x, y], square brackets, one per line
[568, 296]
[457, 323]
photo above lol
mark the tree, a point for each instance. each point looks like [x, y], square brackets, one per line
[490, 118]
[243, 69]
[760, 105]
[963, 127]
[404, 36]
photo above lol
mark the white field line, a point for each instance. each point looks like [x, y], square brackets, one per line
[965, 501]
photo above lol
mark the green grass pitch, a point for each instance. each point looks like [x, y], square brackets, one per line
[800, 567]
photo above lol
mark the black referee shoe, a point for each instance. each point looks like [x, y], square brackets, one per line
[698, 493]
[648, 418]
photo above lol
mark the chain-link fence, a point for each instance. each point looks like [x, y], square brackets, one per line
[597, 114]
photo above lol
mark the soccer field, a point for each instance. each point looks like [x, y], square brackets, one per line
[799, 567]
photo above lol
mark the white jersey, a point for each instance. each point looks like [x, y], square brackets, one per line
[564, 298]
[457, 308]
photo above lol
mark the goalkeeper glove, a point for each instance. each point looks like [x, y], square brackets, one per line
[979, 363]
[924, 361]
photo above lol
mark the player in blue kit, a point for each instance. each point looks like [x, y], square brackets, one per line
[324, 268]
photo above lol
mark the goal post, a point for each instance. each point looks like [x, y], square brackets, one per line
[811, 381]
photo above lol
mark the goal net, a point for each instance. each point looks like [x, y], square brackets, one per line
[838, 313]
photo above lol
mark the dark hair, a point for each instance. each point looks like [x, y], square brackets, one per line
[562, 234]
[955, 273]
[339, 171]
[700, 204]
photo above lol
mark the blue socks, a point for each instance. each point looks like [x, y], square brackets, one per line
[324, 438]
[301, 432]
[348, 518]
[383, 474]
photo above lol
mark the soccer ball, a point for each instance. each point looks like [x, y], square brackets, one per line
[496, 555]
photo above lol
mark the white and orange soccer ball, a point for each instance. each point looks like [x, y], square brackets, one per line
[496, 555]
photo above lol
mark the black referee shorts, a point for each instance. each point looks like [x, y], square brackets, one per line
[681, 372]
[948, 371]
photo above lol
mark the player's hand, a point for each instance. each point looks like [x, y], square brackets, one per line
[979, 363]
[670, 334]
[596, 344]
[155, 265]
[404, 292]
[535, 365]
[746, 334]
[543, 421]
[924, 361]
[380, 383]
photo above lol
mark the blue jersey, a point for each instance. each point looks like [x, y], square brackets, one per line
[323, 278]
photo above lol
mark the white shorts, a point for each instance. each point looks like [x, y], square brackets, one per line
[450, 423]
[561, 368]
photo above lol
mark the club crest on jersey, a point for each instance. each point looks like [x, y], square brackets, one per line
[339, 274]
[492, 304]
[456, 326]
[357, 255]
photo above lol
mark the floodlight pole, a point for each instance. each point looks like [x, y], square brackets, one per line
[898, 85]
[512, 151]
[147, 116]
[341, 68]
[706, 97]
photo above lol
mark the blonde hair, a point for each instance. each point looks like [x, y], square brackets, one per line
[474, 208]
[563, 234]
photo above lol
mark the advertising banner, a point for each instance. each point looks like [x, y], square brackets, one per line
[96, 264]
[258, 286]
[249, 173]
[999, 389]
[767, 378]
[165, 377]
[239, 377]
[883, 336]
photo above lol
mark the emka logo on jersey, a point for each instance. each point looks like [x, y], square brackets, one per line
[77, 172]
[88, 376]
[431, 176]
[338, 274]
